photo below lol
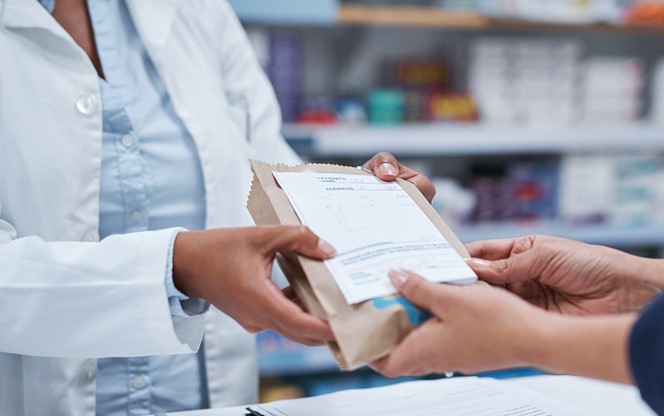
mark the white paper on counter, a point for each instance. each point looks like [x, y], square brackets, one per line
[462, 396]
[375, 226]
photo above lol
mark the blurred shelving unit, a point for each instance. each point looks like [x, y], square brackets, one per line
[287, 12]
[438, 18]
[619, 236]
[472, 139]
[334, 12]
[291, 359]
[351, 24]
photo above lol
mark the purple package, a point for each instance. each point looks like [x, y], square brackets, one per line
[533, 191]
[286, 72]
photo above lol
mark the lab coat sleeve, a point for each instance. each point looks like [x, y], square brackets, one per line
[647, 354]
[248, 87]
[93, 300]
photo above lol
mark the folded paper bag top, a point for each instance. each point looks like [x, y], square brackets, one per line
[365, 331]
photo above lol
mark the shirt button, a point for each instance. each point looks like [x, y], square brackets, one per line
[127, 140]
[88, 373]
[137, 216]
[138, 382]
[86, 104]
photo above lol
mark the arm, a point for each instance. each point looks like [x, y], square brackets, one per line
[595, 346]
[108, 299]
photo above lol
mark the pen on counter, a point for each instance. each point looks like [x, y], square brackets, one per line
[252, 412]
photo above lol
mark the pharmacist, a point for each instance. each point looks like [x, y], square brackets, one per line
[119, 122]
[569, 308]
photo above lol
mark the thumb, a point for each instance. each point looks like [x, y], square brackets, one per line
[419, 291]
[301, 240]
[384, 166]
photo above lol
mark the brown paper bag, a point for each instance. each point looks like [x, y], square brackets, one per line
[366, 331]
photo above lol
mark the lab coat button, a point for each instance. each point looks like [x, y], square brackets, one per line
[88, 373]
[136, 216]
[86, 104]
[127, 140]
[138, 382]
[92, 237]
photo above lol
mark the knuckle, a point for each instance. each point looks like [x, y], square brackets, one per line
[299, 232]
[523, 244]
[411, 287]
[503, 267]
[482, 248]
[384, 156]
[302, 231]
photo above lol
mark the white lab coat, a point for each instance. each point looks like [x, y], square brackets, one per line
[63, 293]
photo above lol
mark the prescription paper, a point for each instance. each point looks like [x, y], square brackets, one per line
[375, 226]
[462, 396]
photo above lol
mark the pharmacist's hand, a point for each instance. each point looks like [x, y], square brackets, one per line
[473, 328]
[565, 276]
[231, 268]
[387, 167]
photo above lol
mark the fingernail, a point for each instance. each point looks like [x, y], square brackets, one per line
[398, 277]
[326, 248]
[478, 263]
[387, 169]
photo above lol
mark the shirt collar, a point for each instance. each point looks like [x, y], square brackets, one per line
[49, 5]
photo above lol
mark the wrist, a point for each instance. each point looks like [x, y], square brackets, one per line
[642, 283]
[594, 346]
[544, 334]
[182, 256]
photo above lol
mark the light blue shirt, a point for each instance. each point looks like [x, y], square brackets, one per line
[150, 179]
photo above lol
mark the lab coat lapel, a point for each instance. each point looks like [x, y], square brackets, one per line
[22, 14]
[153, 20]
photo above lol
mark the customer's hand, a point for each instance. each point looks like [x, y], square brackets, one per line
[473, 328]
[482, 328]
[567, 276]
[230, 268]
[387, 167]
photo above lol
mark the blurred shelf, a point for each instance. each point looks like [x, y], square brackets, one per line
[445, 19]
[300, 360]
[604, 234]
[287, 12]
[279, 356]
[447, 140]
[331, 12]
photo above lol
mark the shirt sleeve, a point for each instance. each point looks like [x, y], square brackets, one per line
[181, 305]
[647, 354]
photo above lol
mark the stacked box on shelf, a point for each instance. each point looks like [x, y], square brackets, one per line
[639, 195]
[285, 69]
[533, 190]
[524, 82]
[565, 11]
[619, 190]
[610, 90]
[526, 193]
[658, 94]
